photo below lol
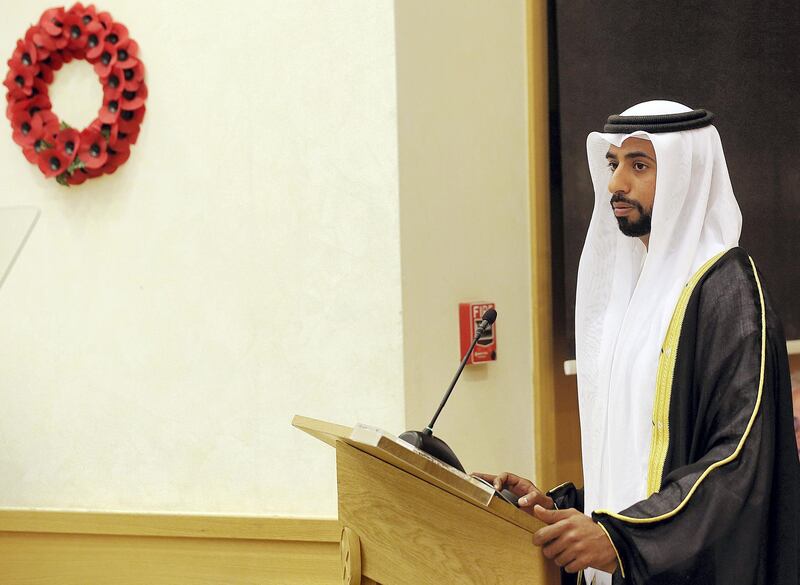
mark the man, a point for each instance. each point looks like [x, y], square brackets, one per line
[690, 469]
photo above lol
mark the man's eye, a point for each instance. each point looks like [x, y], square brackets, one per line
[639, 166]
[612, 165]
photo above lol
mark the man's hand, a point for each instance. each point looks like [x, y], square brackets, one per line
[574, 541]
[528, 494]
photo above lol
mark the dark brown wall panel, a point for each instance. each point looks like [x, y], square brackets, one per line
[741, 60]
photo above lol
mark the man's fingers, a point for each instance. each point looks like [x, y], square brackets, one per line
[549, 516]
[565, 558]
[555, 548]
[519, 486]
[498, 481]
[575, 566]
[534, 498]
[548, 534]
[501, 480]
[484, 476]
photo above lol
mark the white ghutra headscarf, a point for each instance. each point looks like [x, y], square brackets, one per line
[626, 295]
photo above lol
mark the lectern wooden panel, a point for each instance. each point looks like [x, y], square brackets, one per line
[414, 525]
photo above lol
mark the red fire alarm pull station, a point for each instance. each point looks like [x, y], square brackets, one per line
[469, 317]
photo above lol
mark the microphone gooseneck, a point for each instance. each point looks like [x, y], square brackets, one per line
[487, 319]
[425, 440]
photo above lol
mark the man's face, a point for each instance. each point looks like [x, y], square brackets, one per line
[633, 185]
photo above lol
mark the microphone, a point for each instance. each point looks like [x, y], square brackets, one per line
[425, 441]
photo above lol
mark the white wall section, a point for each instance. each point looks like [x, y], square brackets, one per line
[463, 122]
[164, 324]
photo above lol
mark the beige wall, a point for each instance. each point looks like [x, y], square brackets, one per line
[462, 117]
[163, 325]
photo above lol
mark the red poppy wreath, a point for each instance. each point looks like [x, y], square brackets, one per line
[70, 155]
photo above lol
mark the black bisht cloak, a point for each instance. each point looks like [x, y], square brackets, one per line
[727, 510]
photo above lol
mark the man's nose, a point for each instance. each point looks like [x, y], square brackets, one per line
[617, 183]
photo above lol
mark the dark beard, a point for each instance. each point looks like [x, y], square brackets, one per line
[633, 229]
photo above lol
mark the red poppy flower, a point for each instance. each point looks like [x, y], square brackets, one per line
[105, 63]
[95, 41]
[54, 61]
[68, 142]
[129, 120]
[117, 156]
[130, 137]
[112, 88]
[127, 54]
[46, 74]
[39, 88]
[105, 19]
[32, 152]
[133, 100]
[50, 124]
[108, 131]
[112, 106]
[94, 173]
[116, 35]
[125, 139]
[32, 105]
[41, 52]
[95, 33]
[43, 128]
[75, 30]
[27, 129]
[52, 162]
[77, 8]
[21, 80]
[61, 42]
[48, 43]
[51, 42]
[87, 15]
[109, 113]
[93, 150]
[68, 56]
[52, 21]
[25, 55]
[131, 77]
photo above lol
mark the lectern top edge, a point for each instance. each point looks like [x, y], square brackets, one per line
[419, 465]
[327, 432]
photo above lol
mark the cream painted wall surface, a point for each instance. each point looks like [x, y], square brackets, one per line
[463, 122]
[164, 324]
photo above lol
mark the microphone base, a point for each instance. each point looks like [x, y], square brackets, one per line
[434, 447]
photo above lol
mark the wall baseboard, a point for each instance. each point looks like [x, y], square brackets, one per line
[40, 547]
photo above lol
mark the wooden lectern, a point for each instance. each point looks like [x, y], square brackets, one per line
[408, 519]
